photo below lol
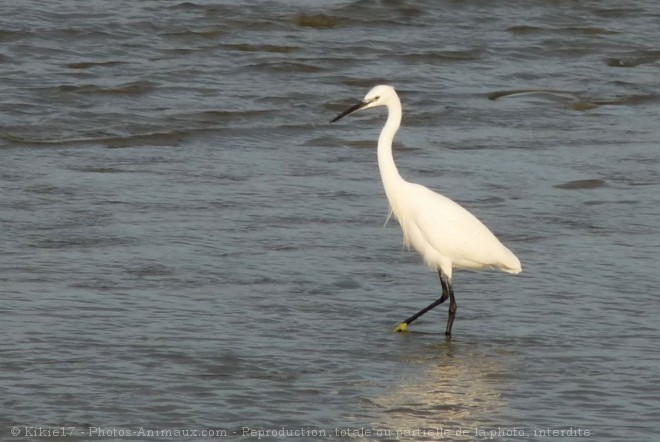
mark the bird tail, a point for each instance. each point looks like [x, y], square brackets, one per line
[509, 262]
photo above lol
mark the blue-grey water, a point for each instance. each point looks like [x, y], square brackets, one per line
[187, 244]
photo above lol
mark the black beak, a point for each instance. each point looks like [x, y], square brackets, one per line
[350, 110]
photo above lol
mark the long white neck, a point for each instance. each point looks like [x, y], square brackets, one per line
[388, 171]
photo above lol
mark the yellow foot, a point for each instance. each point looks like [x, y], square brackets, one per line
[401, 328]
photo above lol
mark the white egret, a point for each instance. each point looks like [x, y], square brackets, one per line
[443, 232]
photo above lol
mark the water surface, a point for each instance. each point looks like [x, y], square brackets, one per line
[187, 244]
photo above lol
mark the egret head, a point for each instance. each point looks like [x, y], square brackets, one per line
[377, 96]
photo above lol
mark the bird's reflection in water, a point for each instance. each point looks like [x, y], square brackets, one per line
[459, 390]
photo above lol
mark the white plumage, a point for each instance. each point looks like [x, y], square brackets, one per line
[443, 232]
[447, 235]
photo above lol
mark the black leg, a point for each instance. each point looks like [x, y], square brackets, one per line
[452, 309]
[446, 293]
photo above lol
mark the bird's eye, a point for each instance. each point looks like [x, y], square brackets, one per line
[377, 97]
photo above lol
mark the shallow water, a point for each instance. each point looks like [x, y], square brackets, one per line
[187, 244]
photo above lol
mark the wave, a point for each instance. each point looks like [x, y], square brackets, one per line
[133, 88]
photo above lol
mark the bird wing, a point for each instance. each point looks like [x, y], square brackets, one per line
[455, 233]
